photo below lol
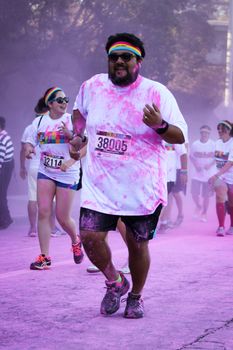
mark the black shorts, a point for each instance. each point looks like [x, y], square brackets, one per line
[142, 227]
[170, 185]
[203, 188]
[179, 186]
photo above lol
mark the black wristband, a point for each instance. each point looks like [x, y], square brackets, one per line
[84, 138]
[163, 127]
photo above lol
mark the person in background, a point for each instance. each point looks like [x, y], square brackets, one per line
[53, 132]
[174, 152]
[6, 170]
[126, 117]
[180, 186]
[222, 180]
[31, 175]
[120, 225]
[203, 167]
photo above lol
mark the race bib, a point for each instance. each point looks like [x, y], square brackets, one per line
[109, 144]
[221, 158]
[51, 161]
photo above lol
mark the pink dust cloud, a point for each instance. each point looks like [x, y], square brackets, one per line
[190, 276]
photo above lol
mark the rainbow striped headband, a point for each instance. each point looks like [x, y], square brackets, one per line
[229, 126]
[123, 45]
[49, 94]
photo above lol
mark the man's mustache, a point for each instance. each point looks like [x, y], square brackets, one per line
[120, 66]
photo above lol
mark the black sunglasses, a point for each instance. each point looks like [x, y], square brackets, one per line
[126, 57]
[61, 100]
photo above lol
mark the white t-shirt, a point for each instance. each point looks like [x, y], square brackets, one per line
[223, 154]
[34, 162]
[125, 168]
[203, 154]
[174, 152]
[54, 147]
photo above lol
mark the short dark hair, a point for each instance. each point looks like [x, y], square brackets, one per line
[226, 124]
[2, 123]
[128, 37]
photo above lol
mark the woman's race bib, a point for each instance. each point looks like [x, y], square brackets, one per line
[52, 162]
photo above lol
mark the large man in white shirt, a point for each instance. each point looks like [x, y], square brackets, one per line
[126, 117]
[203, 167]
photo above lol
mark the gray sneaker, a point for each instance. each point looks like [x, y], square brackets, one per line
[134, 307]
[178, 221]
[220, 231]
[230, 231]
[92, 269]
[111, 300]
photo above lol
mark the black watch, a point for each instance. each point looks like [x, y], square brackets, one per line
[84, 138]
[162, 128]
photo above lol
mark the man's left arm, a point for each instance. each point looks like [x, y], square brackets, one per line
[170, 133]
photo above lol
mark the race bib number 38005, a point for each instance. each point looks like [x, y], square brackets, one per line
[109, 144]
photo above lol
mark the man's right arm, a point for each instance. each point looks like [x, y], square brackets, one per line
[79, 140]
[23, 170]
[79, 122]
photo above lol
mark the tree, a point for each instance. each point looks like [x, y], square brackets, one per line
[62, 42]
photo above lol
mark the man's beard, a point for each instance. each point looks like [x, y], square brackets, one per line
[128, 79]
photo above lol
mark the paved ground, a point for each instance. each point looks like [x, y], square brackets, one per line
[188, 296]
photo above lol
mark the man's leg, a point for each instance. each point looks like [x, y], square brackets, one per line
[139, 261]
[195, 191]
[94, 227]
[165, 216]
[99, 253]
[206, 192]
[5, 177]
[32, 216]
[139, 231]
[179, 203]
[122, 229]
[206, 200]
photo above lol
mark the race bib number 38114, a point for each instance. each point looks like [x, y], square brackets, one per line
[109, 144]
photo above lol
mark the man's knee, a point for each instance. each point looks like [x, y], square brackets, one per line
[137, 247]
[92, 237]
[85, 236]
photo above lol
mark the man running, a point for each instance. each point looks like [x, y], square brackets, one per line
[126, 117]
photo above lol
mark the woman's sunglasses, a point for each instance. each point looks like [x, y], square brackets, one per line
[61, 100]
[126, 57]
